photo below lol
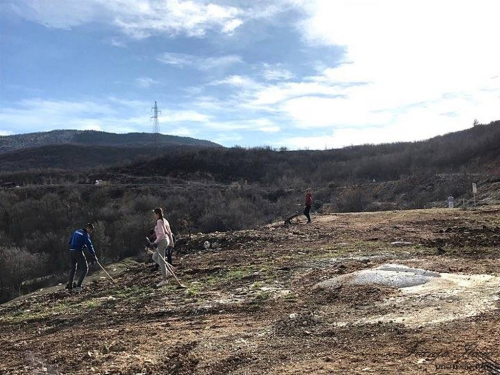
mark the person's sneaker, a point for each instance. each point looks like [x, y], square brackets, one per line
[69, 286]
[162, 283]
[77, 288]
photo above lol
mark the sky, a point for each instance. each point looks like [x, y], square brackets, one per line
[300, 74]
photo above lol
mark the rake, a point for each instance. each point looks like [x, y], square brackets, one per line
[106, 272]
[169, 267]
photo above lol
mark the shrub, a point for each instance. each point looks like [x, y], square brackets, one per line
[18, 265]
[352, 200]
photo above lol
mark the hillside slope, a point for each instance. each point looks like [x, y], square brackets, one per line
[73, 149]
[70, 157]
[251, 306]
[473, 150]
[95, 138]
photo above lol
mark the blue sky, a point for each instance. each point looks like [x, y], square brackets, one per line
[282, 73]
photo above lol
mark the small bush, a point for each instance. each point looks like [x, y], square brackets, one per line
[353, 200]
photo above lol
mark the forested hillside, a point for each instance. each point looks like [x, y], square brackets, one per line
[94, 138]
[473, 150]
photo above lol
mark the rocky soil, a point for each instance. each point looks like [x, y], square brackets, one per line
[250, 306]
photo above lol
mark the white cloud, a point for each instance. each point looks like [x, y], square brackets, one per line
[274, 94]
[226, 138]
[176, 59]
[136, 18]
[276, 73]
[232, 25]
[136, 105]
[115, 42]
[314, 112]
[56, 13]
[182, 116]
[413, 70]
[110, 114]
[181, 132]
[216, 62]
[64, 108]
[88, 125]
[236, 80]
[44, 115]
[146, 82]
[254, 124]
[410, 51]
[201, 63]
[270, 129]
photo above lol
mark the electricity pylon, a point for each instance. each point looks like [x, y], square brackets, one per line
[156, 126]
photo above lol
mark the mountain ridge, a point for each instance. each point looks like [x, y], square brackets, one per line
[91, 137]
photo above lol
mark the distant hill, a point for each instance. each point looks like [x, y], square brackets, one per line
[473, 150]
[77, 150]
[70, 157]
[95, 138]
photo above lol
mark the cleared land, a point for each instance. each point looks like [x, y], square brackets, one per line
[251, 306]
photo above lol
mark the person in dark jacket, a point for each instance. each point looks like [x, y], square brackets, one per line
[308, 205]
[79, 240]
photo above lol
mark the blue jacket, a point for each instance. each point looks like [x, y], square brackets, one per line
[80, 239]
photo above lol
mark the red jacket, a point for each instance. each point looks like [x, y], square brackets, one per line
[309, 199]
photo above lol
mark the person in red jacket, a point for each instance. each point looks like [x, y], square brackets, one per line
[308, 205]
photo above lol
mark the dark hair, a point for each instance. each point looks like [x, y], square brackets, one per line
[89, 225]
[159, 211]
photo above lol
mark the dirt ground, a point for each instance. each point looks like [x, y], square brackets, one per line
[251, 305]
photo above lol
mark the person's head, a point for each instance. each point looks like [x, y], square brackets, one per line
[158, 212]
[89, 227]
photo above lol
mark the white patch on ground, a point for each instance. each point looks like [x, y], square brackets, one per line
[394, 275]
[441, 298]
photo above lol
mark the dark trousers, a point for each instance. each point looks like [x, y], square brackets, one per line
[77, 260]
[168, 253]
[306, 213]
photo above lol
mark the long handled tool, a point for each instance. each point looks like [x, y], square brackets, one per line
[106, 272]
[169, 267]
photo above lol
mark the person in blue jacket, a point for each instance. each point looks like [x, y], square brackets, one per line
[80, 239]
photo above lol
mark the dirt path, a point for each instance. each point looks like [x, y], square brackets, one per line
[250, 306]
